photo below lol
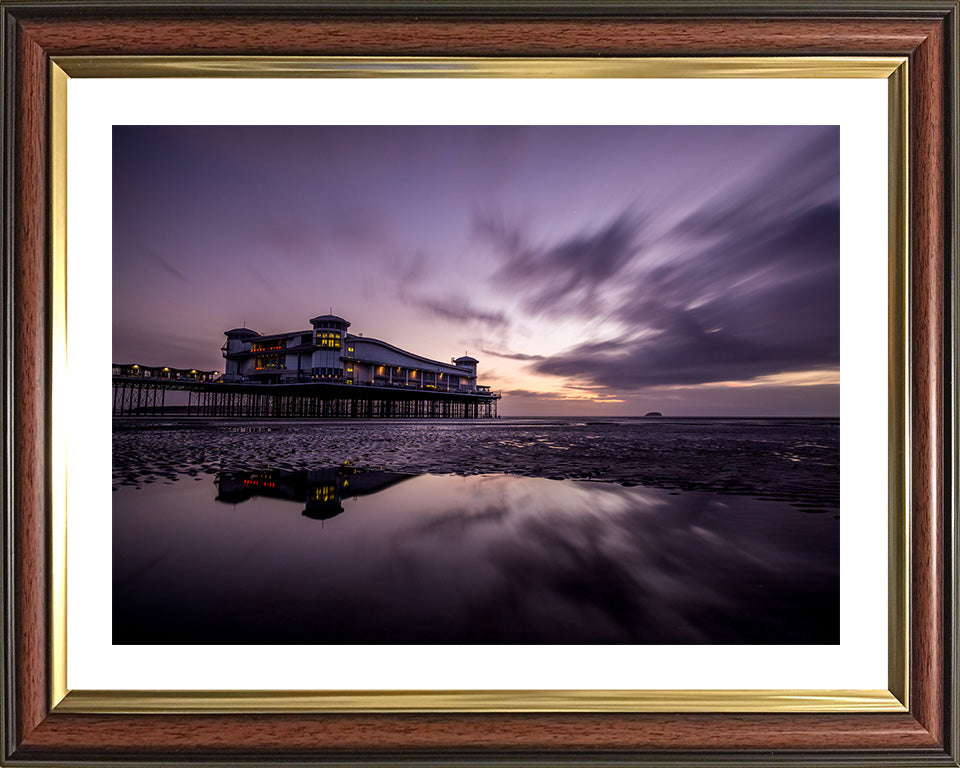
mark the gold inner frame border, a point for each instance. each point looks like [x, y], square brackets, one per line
[894, 699]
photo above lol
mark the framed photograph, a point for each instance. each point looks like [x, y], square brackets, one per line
[529, 383]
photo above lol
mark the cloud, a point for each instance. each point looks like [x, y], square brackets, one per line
[409, 269]
[460, 312]
[165, 265]
[526, 394]
[752, 288]
[568, 274]
[512, 355]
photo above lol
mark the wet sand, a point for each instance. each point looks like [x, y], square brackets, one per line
[796, 461]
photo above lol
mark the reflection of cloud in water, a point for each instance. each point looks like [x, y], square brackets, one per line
[481, 559]
[599, 560]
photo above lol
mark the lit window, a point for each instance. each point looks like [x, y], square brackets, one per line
[328, 339]
[270, 362]
[324, 493]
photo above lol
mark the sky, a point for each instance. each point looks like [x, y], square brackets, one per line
[592, 270]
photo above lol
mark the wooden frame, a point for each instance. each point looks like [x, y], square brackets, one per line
[924, 32]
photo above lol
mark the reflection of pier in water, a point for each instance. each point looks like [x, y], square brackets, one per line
[322, 490]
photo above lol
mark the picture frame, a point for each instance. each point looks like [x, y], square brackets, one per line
[915, 721]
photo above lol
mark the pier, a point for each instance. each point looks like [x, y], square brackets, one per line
[318, 373]
[146, 397]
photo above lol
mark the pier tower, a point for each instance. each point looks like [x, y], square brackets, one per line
[329, 333]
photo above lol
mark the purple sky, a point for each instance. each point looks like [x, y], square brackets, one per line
[593, 270]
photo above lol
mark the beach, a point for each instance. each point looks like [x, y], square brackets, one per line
[506, 531]
[796, 461]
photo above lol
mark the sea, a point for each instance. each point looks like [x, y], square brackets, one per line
[495, 531]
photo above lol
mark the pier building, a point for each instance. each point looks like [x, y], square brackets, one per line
[327, 352]
[322, 372]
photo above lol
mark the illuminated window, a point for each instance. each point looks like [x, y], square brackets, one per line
[325, 493]
[328, 339]
[328, 373]
[270, 362]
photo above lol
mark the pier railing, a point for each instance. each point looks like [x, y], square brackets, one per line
[136, 396]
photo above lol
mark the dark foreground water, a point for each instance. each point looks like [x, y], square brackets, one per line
[542, 531]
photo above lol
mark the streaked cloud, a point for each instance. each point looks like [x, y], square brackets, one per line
[753, 292]
[460, 311]
[512, 355]
[565, 275]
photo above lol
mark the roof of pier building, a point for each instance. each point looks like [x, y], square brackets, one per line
[241, 332]
[424, 363]
[334, 321]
